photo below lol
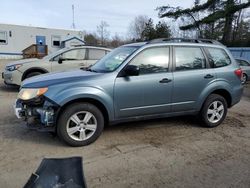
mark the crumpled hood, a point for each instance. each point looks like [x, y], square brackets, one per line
[22, 61]
[47, 80]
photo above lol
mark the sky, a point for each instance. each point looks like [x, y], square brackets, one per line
[88, 14]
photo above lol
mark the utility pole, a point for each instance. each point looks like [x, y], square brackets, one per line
[73, 17]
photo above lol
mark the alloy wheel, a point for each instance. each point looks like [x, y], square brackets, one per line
[81, 125]
[215, 111]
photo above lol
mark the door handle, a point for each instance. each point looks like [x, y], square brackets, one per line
[165, 80]
[208, 76]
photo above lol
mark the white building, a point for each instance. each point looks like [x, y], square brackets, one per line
[15, 38]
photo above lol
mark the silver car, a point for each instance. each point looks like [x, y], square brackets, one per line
[62, 60]
[245, 66]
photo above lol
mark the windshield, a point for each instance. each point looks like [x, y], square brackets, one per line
[114, 59]
[48, 57]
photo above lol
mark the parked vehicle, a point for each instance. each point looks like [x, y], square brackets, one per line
[245, 66]
[62, 60]
[160, 78]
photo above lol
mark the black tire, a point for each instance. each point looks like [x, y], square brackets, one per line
[32, 74]
[244, 78]
[206, 116]
[64, 122]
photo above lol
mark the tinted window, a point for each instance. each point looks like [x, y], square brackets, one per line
[189, 58]
[77, 54]
[218, 57]
[95, 54]
[242, 62]
[153, 60]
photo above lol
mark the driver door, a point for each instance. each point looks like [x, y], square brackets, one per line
[72, 59]
[148, 93]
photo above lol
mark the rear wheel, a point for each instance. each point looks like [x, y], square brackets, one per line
[80, 124]
[214, 110]
[244, 78]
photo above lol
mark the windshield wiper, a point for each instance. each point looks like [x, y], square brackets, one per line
[89, 69]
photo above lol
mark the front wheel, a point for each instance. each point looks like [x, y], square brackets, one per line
[214, 110]
[32, 74]
[80, 124]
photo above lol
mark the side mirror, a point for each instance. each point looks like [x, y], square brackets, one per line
[60, 60]
[131, 70]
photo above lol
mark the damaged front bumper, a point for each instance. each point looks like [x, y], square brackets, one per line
[39, 113]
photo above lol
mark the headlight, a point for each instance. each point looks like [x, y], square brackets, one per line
[30, 93]
[13, 67]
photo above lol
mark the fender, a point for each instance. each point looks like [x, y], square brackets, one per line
[34, 69]
[84, 92]
[212, 87]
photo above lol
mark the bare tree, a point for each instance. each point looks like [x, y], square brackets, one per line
[137, 26]
[102, 31]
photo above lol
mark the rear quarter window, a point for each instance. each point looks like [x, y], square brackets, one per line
[218, 57]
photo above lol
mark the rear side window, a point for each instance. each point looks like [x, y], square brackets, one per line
[152, 60]
[96, 54]
[189, 58]
[218, 57]
[242, 63]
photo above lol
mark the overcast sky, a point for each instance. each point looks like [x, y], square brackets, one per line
[88, 13]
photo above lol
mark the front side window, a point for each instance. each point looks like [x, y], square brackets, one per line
[152, 60]
[96, 54]
[3, 37]
[218, 57]
[189, 58]
[77, 54]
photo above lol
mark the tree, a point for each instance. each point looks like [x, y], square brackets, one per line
[137, 26]
[103, 32]
[162, 30]
[91, 39]
[149, 31]
[216, 10]
[116, 41]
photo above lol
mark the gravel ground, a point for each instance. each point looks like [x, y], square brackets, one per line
[172, 152]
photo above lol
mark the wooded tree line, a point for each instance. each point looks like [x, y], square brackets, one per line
[225, 20]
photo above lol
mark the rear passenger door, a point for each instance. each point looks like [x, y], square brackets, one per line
[192, 74]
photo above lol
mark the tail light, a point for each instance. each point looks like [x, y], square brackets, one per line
[238, 73]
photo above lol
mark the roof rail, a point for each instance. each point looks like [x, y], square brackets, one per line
[80, 45]
[188, 40]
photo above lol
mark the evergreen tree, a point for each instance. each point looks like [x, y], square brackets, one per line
[216, 10]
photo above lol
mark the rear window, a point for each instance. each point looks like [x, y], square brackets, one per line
[218, 57]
